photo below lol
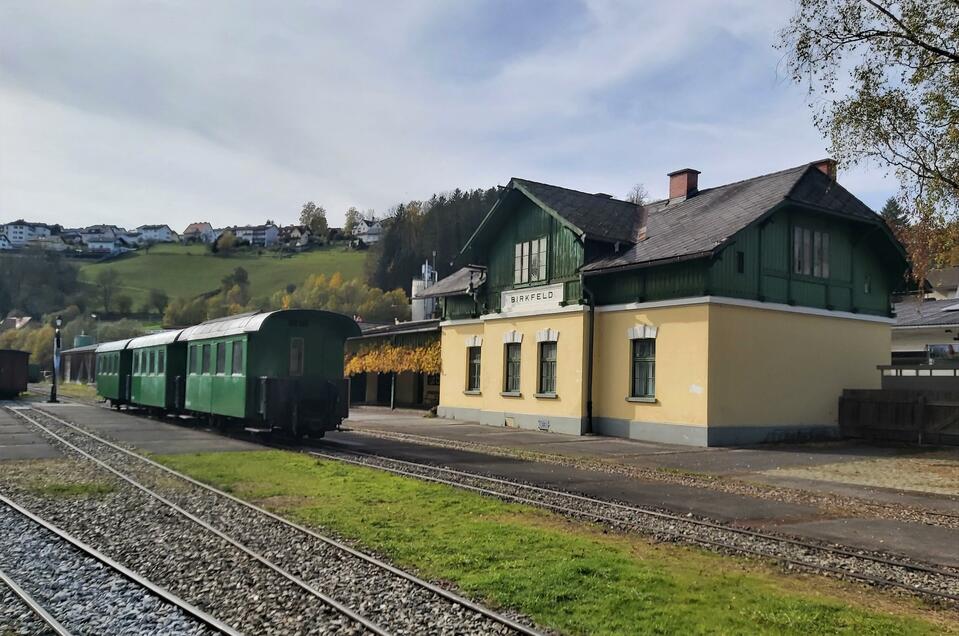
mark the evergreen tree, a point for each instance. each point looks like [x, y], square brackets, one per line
[894, 215]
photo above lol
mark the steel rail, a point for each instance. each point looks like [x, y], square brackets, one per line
[439, 591]
[708, 542]
[122, 570]
[34, 606]
[663, 515]
[331, 602]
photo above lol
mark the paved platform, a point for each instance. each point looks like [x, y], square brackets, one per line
[20, 440]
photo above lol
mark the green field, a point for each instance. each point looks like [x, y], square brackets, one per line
[572, 577]
[188, 270]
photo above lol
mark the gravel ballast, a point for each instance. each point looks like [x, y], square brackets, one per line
[80, 592]
[391, 601]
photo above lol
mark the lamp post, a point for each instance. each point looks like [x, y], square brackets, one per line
[56, 360]
[97, 328]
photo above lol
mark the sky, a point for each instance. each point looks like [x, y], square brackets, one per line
[235, 112]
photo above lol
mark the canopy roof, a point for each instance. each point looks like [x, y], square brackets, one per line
[459, 283]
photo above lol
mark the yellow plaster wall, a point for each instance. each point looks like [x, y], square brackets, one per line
[772, 368]
[570, 381]
[682, 345]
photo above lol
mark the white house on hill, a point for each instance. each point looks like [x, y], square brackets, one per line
[200, 232]
[157, 234]
[368, 230]
[20, 232]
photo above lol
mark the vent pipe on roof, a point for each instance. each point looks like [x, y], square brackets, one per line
[683, 183]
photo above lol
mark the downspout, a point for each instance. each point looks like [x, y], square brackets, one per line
[591, 302]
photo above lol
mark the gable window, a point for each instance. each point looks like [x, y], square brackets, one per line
[740, 262]
[810, 252]
[511, 380]
[529, 261]
[547, 368]
[473, 360]
[296, 356]
[643, 373]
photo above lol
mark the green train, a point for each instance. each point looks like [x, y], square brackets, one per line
[274, 370]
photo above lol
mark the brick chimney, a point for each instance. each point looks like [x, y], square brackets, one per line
[683, 183]
[827, 167]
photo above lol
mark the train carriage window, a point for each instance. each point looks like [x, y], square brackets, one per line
[296, 356]
[194, 360]
[161, 362]
[237, 368]
[152, 364]
[114, 363]
[205, 362]
[136, 362]
[220, 358]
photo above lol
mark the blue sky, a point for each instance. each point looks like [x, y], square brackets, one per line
[235, 112]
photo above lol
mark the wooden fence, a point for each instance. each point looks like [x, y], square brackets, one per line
[922, 417]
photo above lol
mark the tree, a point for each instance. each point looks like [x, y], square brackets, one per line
[124, 303]
[884, 76]
[894, 215]
[225, 244]
[158, 300]
[108, 283]
[638, 194]
[353, 218]
[314, 217]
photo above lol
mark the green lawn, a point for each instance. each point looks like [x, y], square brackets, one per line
[571, 577]
[188, 270]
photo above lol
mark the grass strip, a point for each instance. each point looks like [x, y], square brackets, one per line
[569, 576]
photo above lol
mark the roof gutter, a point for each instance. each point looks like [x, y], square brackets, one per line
[654, 263]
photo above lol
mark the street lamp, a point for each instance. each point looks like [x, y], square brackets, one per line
[97, 329]
[56, 359]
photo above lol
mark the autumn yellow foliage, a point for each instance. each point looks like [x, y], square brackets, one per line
[395, 359]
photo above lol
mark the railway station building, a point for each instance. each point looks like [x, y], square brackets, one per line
[719, 316]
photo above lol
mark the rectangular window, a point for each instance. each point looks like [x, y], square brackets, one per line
[473, 357]
[116, 363]
[547, 367]
[511, 384]
[529, 261]
[643, 381]
[810, 252]
[237, 357]
[205, 362]
[220, 358]
[152, 362]
[161, 362]
[136, 362]
[194, 360]
[740, 262]
[296, 356]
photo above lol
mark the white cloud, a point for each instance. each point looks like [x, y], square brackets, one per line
[236, 112]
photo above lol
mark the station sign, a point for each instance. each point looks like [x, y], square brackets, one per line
[532, 298]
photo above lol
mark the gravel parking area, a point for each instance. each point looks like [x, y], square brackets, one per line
[932, 472]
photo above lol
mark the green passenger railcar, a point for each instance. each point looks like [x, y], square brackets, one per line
[278, 370]
[113, 372]
[158, 370]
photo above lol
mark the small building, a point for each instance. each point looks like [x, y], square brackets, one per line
[395, 365]
[21, 232]
[926, 332]
[200, 232]
[726, 315]
[79, 364]
[369, 231]
[294, 236]
[157, 234]
[257, 235]
[5, 243]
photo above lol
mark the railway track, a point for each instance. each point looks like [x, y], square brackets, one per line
[70, 588]
[933, 583]
[376, 595]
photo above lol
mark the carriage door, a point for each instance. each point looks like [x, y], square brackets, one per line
[297, 350]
